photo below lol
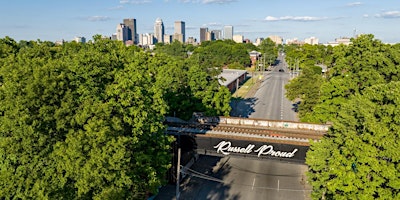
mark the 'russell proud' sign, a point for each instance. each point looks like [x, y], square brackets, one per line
[225, 148]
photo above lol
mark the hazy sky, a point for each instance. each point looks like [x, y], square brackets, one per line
[325, 19]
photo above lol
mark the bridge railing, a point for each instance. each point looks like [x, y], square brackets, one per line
[263, 123]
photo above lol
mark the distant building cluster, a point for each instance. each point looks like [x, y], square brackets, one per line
[206, 35]
[126, 31]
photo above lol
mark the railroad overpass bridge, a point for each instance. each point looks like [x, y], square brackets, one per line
[245, 137]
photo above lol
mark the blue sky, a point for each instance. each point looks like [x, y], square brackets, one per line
[325, 19]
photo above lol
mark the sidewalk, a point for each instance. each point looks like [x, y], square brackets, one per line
[166, 192]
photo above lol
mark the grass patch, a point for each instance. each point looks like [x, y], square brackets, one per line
[245, 88]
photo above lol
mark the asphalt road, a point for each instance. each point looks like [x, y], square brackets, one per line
[269, 101]
[231, 178]
[237, 178]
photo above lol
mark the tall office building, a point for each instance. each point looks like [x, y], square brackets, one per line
[238, 38]
[203, 34]
[179, 31]
[276, 39]
[311, 40]
[146, 39]
[209, 36]
[132, 33]
[80, 39]
[122, 32]
[159, 30]
[228, 32]
[167, 39]
[217, 34]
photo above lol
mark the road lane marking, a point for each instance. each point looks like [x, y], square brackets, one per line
[278, 185]
[282, 98]
[254, 180]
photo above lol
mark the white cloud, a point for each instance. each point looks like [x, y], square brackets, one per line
[98, 18]
[294, 18]
[134, 1]
[270, 18]
[216, 1]
[120, 7]
[354, 4]
[208, 1]
[213, 24]
[389, 14]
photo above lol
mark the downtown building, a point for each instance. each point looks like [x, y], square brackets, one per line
[206, 35]
[126, 32]
[159, 31]
[179, 31]
[203, 34]
[122, 32]
[238, 38]
[132, 33]
[277, 39]
[228, 32]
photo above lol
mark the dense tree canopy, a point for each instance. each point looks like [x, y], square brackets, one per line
[306, 89]
[213, 55]
[269, 51]
[364, 63]
[359, 158]
[85, 121]
[175, 49]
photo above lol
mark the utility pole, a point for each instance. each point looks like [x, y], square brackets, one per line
[264, 63]
[178, 167]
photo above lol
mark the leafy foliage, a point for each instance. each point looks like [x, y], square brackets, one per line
[359, 158]
[213, 55]
[307, 88]
[364, 63]
[85, 121]
[269, 50]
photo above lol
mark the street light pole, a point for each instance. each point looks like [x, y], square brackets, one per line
[178, 167]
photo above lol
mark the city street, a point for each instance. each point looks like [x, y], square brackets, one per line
[237, 178]
[269, 101]
[216, 178]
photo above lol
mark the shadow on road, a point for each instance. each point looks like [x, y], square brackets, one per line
[205, 180]
[242, 107]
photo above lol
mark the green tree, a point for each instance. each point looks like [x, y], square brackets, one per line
[359, 158]
[306, 88]
[176, 49]
[212, 98]
[213, 55]
[269, 50]
[362, 64]
[82, 123]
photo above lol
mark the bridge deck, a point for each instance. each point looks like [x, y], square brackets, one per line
[250, 132]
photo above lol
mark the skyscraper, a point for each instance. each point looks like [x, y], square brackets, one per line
[203, 34]
[159, 30]
[217, 34]
[228, 32]
[122, 32]
[179, 31]
[132, 33]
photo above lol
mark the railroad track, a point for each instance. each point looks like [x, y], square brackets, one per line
[284, 135]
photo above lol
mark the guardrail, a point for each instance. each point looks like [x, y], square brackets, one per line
[263, 123]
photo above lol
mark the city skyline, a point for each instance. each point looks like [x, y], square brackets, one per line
[327, 20]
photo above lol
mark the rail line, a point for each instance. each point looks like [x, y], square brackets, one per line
[281, 135]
